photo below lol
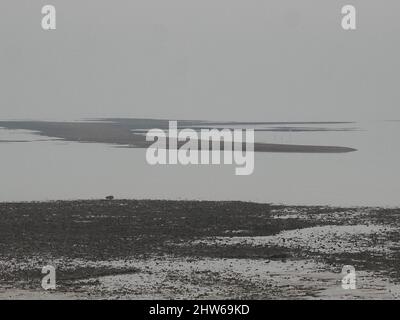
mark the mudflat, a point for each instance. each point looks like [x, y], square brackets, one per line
[155, 249]
[131, 132]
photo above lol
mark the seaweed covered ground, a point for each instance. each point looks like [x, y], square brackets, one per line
[155, 249]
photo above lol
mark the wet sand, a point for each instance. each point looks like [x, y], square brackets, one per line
[124, 132]
[148, 249]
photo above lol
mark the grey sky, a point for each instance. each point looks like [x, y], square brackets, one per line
[203, 59]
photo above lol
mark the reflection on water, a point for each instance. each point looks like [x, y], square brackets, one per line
[46, 169]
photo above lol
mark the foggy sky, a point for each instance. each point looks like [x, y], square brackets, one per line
[250, 60]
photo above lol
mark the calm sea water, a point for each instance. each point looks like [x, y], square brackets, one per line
[36, 168]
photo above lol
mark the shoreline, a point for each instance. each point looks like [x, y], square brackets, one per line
[276, 204]
[151, 249]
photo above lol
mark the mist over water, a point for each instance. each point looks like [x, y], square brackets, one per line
[36, 168]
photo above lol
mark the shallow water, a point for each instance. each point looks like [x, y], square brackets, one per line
[49, 169]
